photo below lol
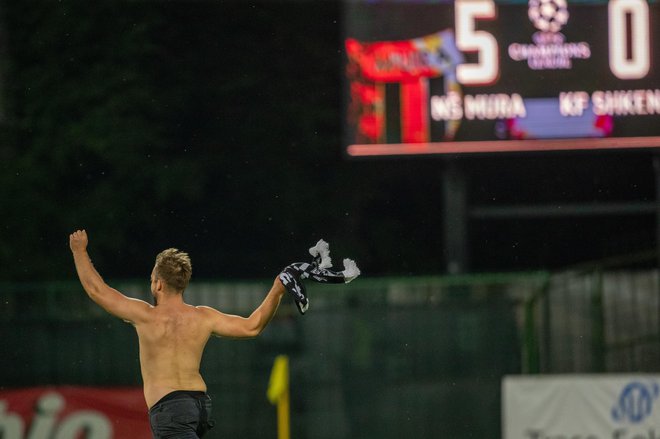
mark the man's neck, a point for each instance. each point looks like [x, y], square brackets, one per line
[169, 299]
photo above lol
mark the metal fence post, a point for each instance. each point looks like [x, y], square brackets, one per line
[597, 324]
[531, 364]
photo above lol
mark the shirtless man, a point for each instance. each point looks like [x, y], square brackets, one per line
[172, 336]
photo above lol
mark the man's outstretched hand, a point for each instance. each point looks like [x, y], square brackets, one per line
[78, 240]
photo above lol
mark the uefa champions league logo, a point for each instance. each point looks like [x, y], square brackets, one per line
[550, 50]
[548, 15]
[635, 403]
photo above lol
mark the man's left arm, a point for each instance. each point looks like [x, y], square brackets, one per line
[228, 325]
[111, 300]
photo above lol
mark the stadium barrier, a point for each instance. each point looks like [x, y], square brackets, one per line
[379, 358]
[598, 317]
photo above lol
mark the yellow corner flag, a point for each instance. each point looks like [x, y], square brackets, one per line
[278, 393]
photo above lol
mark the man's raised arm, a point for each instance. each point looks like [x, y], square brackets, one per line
[131, 310]
[227, 325]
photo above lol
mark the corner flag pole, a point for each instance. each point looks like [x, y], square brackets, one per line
[278, 393]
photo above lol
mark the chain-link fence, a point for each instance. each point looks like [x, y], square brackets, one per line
[419, 357]
[602, 317]
[379, 358]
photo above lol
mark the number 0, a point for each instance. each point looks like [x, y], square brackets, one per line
[468, 39]
[638, 63]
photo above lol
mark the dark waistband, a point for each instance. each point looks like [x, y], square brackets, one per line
[177, 394]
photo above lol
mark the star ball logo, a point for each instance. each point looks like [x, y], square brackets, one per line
[548, 15]
[549, 50]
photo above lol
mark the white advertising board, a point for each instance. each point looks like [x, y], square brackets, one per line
[581, 407]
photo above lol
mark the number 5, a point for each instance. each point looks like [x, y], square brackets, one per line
[466, 12]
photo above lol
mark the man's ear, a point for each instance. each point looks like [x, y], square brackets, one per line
[159, 285]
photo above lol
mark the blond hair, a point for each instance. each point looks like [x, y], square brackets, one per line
[174, 268]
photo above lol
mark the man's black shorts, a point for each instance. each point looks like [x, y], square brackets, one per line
[181, 414]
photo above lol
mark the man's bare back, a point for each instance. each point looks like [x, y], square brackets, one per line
[172, 335]
[172, 341]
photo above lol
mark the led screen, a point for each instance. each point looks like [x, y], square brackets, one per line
[482, 75]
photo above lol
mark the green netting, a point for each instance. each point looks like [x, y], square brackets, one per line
[378, 358]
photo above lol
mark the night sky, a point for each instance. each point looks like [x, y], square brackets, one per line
[217, 127]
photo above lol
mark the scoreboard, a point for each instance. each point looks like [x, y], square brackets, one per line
[433, 77]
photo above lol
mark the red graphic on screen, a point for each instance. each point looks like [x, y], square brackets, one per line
[410, 63]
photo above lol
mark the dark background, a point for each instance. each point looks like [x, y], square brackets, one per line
[216, 127]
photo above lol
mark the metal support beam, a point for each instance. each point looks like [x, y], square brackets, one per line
[656, 169]
[564, 209]
[455, 218]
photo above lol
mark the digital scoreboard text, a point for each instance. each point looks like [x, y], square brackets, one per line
[488, 76]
